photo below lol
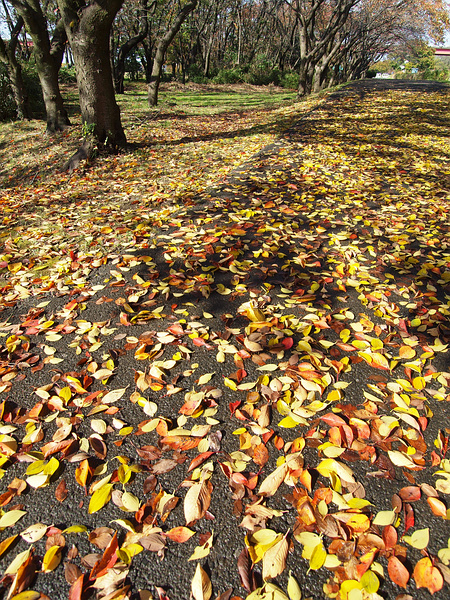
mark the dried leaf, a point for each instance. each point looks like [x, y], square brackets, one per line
[201, 585]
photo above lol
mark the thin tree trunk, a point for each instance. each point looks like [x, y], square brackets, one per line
[163, 44]
[124, 51]
[14, 69]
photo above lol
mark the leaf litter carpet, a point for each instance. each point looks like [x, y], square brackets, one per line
[251, 401]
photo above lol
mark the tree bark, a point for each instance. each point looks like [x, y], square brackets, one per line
[46, 63]
[9, 59]
[88, 25]
[163, 44]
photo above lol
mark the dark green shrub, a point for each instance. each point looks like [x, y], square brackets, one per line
[7, 104]
[34, 91]
[289, 80]
[262, 73]
[371, 73]
[234, 75]
[195, 74]
[67, 75]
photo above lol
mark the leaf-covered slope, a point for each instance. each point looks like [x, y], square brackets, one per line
[250, 399]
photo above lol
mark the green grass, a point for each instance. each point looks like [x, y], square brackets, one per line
[205, 99]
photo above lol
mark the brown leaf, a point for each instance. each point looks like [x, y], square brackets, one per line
[98, 446]
[101, 537]
[244, 564]
[164, 466]
[152, 542]
[71, 572]
[61, 491]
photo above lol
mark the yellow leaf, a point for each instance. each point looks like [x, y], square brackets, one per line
[419, 539]
[385, 517]
[17, 562]
[100, 497]
[27, 595]
[11, 517]
[76, 529]
[230, 383]
[370, 582]
[205, 378]
[5, 544]
[114, 395]
[201, 585]
[293, 589]
[318, 556]
[51, 559]
[130, 502]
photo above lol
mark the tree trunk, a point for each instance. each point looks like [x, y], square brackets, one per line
[46, 63]
[163, 44]
[125, 49]
[88, 25]
[9, 59]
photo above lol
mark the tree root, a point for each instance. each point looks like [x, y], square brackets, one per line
[84, 152]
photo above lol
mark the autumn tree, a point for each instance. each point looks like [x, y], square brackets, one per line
[88, 26]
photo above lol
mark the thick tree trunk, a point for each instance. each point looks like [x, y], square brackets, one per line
[46, 63]
[163, 44]
[9, 59]
[88, 26]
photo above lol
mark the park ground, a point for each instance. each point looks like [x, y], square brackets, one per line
[224, 352]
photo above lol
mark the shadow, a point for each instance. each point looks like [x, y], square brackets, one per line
[278, 224]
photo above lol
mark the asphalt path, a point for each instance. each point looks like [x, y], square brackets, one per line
[271, 238]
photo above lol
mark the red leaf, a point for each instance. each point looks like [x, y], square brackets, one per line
[76, 589]
[409, 517]
[108, 559]
[198, 460]
[333, 420]
[390, 537]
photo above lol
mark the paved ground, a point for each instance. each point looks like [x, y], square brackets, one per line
[304, 302]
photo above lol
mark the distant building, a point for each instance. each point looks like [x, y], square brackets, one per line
[442, 51]
[443, 54]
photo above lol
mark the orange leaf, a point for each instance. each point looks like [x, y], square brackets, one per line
[437, 506]
[180, 534]
[410, 493]
[398, 572]
[425, 575]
